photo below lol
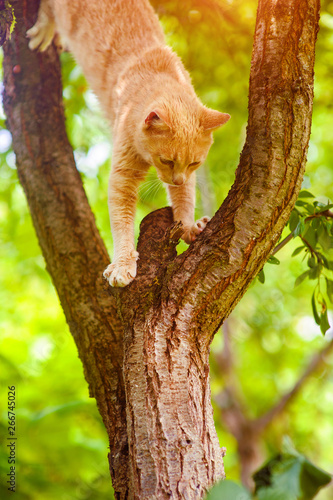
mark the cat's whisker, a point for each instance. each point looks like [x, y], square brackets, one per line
[202, 183]
[147, 183]
[158, 186]
[145, 191]
[149, 187]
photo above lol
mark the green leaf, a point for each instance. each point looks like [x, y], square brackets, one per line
[324, 323]
[323, 208]
[315, 223]
[312, 479]
[289, 476]
[325, 239]
[300, 203]
[284, 479]
[297, 251]
[311, 261]
[293, 220]
[261, 277]
[228, 490]
[329, 289]
[300, 227]
[314, 272]
[273, 260]
[324, 260]
[314, 309]
[310, 235]
[302, 277]
[305, 194]
[273, 494]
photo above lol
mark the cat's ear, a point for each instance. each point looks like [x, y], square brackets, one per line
[157, 118]
[211, 119]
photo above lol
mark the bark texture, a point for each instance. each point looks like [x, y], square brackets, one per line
[74, 253]
[145, 348]
[6, 21]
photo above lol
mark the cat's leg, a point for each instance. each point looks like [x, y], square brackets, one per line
[123, 193]
[43, 31]
[183, 202]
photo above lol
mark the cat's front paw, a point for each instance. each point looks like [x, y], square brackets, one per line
[122, 270]
[42, 33]
[190, 234]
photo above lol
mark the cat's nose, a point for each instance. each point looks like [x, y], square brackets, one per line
[178, 179]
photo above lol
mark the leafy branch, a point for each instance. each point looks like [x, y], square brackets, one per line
[288, 476]
[313, 224]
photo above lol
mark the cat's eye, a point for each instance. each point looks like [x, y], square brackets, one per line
[194, 164]
[169, 163]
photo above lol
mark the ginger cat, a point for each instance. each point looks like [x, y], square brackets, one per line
[147, 94]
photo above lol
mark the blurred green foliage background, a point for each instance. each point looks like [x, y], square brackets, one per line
[62, 445]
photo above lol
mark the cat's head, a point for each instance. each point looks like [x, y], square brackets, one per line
[177, 142]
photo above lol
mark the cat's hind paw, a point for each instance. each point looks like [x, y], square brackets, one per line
[42, 33]
[190, 234]
[122, 271]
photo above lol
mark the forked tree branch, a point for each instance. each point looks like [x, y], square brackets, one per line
[222, 262]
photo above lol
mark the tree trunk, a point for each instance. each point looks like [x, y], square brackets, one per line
[145, 348]
[74, 253]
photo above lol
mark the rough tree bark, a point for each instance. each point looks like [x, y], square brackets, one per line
[6, 21]
[145, 348]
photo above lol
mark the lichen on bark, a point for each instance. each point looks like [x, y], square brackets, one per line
[7, 20]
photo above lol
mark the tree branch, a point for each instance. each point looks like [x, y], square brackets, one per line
[222, 262]
[318, 359]
[325, 213]
[73, 250]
